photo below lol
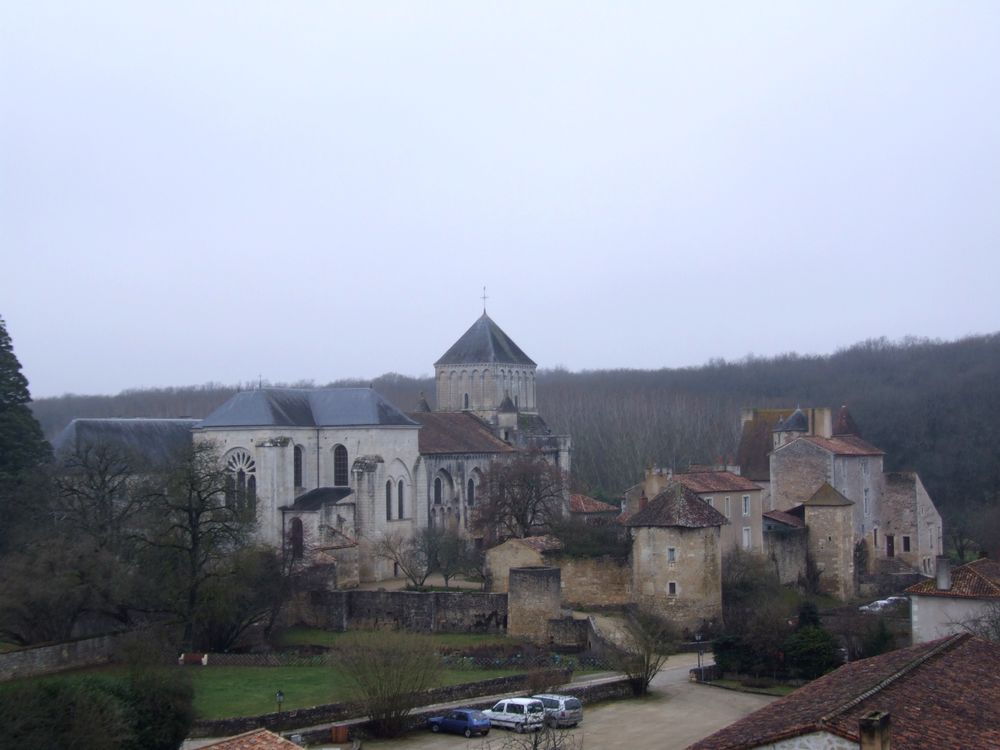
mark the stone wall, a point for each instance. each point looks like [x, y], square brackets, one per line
[797, 471]
[831, 543]
[533, 600]
[421, 612]
[594, 582]
[787, 550]
[513, 553]
[39, 660]
[569, 634]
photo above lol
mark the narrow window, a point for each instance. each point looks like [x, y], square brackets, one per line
[746, 505]
[399, 499]
[671, 554]
[729, 508]
[906, 544]
[388, 500]
[339, 466]
[297, 466]
[470, 495]
[875, 537]
[710, 501]
[672, 588]
[868, 508]
[241, 482]
[746, 537]
[437, 490]
[296, 538]
[466, 401]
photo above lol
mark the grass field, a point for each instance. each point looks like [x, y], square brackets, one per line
[246, 691]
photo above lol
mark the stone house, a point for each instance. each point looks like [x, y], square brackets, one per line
[589, 510]
[967, 598]
[677, 558]
[939, 694]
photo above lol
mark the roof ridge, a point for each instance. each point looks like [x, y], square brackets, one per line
[898, 674]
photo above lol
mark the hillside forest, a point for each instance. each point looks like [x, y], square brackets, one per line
[932, 406]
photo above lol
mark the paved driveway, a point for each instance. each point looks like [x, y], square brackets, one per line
[675, 715]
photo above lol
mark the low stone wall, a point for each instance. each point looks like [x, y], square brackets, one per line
[338, 712]
[422, 612]
[567, 634]
[39, 660]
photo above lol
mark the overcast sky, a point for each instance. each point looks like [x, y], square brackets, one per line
[212, 191]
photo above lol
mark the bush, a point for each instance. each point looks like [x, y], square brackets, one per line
[812, 652]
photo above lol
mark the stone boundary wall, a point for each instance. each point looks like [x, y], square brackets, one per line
[40, 660]
[338, 712]
[418, 611]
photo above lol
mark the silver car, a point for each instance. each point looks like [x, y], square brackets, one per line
[561, 710]
[519, 714]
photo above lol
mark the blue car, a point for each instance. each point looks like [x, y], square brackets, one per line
[465, 721]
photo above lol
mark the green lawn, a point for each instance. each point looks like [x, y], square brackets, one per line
[779, 690]
[247, 691]
[313, 637]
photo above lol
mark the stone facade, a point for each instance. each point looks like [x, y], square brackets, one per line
[831, 543]
[593, 581]
[787, 548]
[911, 525]
[533, 600]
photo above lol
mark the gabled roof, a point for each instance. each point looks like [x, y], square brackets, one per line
[677, 506]
[938, 694]
[827, 495]
[307, 407]
[150, 443]
[256, 739]
[585, 504]
[317, 498]
[484, 343]
[979, 579]
[844, 445]
[715, 481]
[456, 432]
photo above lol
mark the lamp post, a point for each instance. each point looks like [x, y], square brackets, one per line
[701, 652]
[279, 698]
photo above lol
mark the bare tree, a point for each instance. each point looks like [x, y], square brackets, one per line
[390, 670]
[414, 555]
[648, 640]
[521, 497]
[453, 553]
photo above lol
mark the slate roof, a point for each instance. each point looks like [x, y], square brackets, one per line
[786, 518]
[844, 445]
[456, 432]
[585, 504]
[715, 481]
[979, 579]
[151, 443]
[796, 422]
[827, 495]
[256, 739]
[317, 498]
[307, 407]
[677, 506]
[939, 694]
[484, 343]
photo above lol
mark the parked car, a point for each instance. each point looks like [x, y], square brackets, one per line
[561, 710]
[519, 714]
[882, 605]
[467, 721]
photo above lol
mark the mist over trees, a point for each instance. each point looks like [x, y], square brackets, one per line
[933, 407]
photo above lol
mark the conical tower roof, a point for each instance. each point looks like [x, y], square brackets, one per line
[485, 343]
[845, 424]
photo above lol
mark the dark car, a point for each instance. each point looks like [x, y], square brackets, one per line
[465, 721]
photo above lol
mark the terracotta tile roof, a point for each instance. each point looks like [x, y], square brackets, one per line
[715, 481]
[584, 504]
[845, 445]
[257, 739]
[940, 694]
[677, 506]
[545, 543]
[456, 432]
[786, 518]
[845, 424]
[979, 579]
[827, 495]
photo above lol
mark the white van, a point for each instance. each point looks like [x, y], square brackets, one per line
[519, 714]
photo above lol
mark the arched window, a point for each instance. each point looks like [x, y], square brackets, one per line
[437, 490]
[297, 466]
[296, 538]
[388, 500]
[470, 495]
[399, 499]
[241, 482]
[339, 466]
[465, 401]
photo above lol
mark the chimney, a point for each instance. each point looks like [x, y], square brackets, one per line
[943, 573]
[643, 501]
[875, 731]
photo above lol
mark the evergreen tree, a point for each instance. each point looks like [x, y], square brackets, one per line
[22, 443]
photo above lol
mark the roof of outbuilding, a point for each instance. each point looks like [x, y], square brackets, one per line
[677, 506]
[585, 504]
[152, 443]
[942, 693]
[484, 343]
[307, 407]
[456, 432]
[255, 739]
[979, 579]
[786, 518]
[844, 445]
[317, 498]
[827, 495]
[715, 481]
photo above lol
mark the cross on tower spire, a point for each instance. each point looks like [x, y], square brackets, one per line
[484, 300]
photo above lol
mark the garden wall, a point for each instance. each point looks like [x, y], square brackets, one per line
[421, 612]
[39, 660]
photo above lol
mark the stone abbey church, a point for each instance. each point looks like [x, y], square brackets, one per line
[332, 470]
